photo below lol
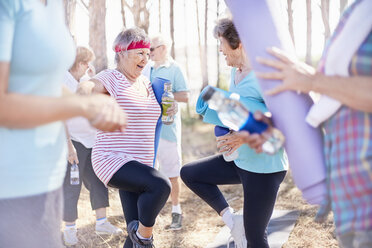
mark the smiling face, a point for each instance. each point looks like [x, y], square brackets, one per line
[133, 61]
[233, 57]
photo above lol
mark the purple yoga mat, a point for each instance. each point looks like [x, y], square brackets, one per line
[259, 27]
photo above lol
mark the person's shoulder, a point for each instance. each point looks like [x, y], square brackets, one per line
[175, 64]
[144, 79]
[105, 72]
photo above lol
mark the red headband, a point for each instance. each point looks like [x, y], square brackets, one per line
[133, 45]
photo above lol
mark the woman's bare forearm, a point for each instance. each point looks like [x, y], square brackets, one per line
[25, 111]
[354, 91]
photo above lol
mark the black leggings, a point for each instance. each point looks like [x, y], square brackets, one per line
[143, 193]
[260, 191]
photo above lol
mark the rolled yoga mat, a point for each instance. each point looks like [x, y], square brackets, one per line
[259, 27]
[158, 88]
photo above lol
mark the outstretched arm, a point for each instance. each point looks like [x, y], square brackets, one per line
[353, 91]
[26, 111]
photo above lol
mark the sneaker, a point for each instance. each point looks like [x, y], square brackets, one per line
[238, 233]
[137, 242]
[70, 237]
[108, 228]
[176, 221]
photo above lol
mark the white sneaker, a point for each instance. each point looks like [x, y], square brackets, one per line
[70, 237]
[108, 228]
[237, 232]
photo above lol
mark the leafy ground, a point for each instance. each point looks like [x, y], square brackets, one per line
[201, 223]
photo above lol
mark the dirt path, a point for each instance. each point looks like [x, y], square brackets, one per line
[201, 223]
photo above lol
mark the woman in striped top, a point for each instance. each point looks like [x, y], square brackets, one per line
[124, 160]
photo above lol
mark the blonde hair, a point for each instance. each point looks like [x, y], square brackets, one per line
[83, 54]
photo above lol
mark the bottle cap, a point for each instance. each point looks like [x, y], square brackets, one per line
[220, 131]
[208, 94]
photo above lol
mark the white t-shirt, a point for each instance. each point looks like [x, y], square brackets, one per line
[79, 128]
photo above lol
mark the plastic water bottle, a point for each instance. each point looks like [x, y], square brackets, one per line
[74, 174]
[221, 131]
[237, 117]
[167, 100]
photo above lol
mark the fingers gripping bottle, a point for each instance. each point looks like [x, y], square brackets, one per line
[167, 100]
[237, 117]
[221, 131]
[74, 174]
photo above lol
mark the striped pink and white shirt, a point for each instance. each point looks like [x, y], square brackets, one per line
[112, 150]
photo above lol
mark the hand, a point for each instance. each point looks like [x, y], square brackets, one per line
[255, 140]
[295, 75]
[72, 155]
[229, 142]
[85, 88]
[104, 113]
[172, 110]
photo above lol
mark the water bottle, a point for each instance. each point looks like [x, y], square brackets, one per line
[237, 117]
[167, 100]
[221, 131]
[74, 174]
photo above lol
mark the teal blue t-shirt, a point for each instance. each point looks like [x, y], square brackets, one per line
[251, 98]
[36, 42]
[171, 71]
[248, 159]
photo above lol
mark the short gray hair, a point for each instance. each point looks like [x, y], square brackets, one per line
[128, 36]
[225, 28]
[163, 40]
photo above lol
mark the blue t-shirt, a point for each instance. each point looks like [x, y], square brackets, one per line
[171, 71]
[248, 159]
[36, 42]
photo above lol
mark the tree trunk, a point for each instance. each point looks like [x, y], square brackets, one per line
[171, 17]
[188, 111]
[123, 13]
[290, 20]
[325, 16]
[308, 32]
[218, 49]
[140, 13]
[159, 16]
[201, 53]
[70, 6]
[205, 56]
[97, 32]
[343, 4]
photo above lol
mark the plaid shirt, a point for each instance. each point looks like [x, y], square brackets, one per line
[348, 149]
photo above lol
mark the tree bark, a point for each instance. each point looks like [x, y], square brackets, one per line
[159, 16]
[308, 32]
[188, 111]
[201, 53]
[290, 20]
[123, 13]
[140, 13]
[171, 18]
[70, 7]
[97, 32]
[205, 56]
[325, 16]
[343, 4]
